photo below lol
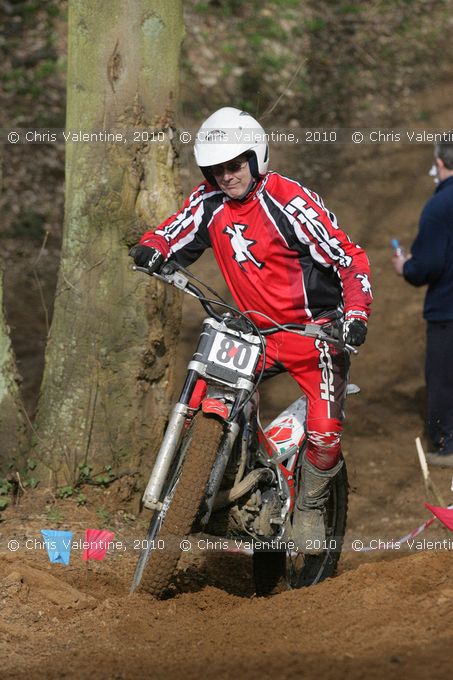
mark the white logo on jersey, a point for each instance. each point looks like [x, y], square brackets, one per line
[365, 281]
[241, 245]
[309, 217]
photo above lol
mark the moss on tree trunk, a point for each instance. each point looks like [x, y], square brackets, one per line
[12, 423]
[109, 361]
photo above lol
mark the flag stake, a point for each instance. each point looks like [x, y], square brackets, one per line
[429, 484]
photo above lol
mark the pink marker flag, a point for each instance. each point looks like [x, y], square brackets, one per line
[445, 515]
[96, 543]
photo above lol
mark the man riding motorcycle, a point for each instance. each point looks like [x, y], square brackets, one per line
[284, 256]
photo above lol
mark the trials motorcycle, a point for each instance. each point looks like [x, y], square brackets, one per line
[219, 472]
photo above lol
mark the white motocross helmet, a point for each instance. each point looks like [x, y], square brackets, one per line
[229, 133]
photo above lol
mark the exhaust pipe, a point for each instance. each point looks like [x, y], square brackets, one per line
[229, 496]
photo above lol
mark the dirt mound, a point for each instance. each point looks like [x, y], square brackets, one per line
[31, 586]
[383, 618]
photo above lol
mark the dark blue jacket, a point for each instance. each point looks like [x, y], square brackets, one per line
[432, 254]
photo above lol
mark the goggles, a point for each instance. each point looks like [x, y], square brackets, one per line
[231, 166]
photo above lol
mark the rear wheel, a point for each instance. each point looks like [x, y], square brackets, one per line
[187, 492]
[281, 570]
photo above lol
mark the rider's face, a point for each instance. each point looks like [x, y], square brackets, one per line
[233, 177]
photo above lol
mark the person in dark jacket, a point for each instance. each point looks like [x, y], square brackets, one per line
[431, 264]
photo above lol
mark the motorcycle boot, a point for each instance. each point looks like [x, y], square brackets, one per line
[308, 527]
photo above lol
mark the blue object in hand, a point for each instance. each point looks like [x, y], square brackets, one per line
[396, 246]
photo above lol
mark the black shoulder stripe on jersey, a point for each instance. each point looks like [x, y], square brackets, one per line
[198, 240]
[284, 225]
[323, 287]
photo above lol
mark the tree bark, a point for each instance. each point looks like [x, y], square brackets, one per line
[12, 423]
[109, 361]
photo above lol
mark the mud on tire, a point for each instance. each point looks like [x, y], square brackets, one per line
[275, 571]
[205, 437]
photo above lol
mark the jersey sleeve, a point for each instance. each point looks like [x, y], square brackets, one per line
[317, 228]
[184, 235]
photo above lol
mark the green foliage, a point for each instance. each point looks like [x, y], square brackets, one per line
[5, 488]
[127, 517]
[54, 515]
[315, 25]
[29, 9]
[228, 49]
[65, 491]
[45, 69]
[27, 479]
[54, 9]
[104, 516]
[348, 8]
[423, 116]
[17, 481]
[105, 477]
[201, 7]
[84, 472]
[102, 479]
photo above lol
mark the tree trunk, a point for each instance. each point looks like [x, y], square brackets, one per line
[110, 357]
[12, 424]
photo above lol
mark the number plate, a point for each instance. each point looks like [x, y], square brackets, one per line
[235, 354]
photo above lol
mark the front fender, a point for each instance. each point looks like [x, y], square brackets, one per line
[215, 407]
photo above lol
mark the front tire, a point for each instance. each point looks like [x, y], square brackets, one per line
[277, 571]
[205, 436]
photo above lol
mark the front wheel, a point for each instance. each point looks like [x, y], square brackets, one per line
[200, 444]
[281, 570]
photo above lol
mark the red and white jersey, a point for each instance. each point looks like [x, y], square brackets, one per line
[280, 251]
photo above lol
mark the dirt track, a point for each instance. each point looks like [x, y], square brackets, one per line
[387, 614]
[377, 619]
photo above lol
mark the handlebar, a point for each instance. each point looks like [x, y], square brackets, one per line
[171, 273]
[180, 281]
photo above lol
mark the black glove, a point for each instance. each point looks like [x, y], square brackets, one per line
[354, 332]
[145, 256]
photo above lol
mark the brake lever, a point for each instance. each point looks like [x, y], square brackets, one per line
[168, 275]
[312, 330]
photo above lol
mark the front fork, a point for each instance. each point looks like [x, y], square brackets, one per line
[165, 457]
[179, 414]
[218, 470]
[168, 448]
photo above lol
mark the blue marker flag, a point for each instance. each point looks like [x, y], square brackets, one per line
[58, 545]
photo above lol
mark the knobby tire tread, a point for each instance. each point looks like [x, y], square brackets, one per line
[206, 436]
[269, 567]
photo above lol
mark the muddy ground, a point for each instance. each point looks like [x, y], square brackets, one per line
[387, 614]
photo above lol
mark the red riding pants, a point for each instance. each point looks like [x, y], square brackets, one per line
[321, 371]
